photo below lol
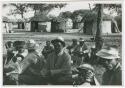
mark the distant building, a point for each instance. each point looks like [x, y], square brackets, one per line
[60, 24]
[40, 23]
[90, 25]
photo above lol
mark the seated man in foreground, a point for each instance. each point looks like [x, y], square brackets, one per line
[59, 64]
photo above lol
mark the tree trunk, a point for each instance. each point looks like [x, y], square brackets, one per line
[98, 37]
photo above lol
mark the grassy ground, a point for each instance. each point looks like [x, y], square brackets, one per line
[114, 39]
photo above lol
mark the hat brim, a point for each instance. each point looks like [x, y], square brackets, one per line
[105, 55]
[57, 40]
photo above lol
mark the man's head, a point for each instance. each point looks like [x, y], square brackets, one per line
[32, 45]
[10, 44]
[109, 57]
[81, 41]
[48, 43]
[58, 44]
[86, 72]
[74, 41]
[19, 46]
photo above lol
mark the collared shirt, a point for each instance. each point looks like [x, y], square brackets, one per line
[113, 77]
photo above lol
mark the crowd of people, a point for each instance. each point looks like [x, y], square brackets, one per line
[58, 64]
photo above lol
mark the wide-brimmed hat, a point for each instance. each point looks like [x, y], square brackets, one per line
[59, 39]
[108, 53]
[85, 67]
[31, 44]
[20, 44]
[81, 40]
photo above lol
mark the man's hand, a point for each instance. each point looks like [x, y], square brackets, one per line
[45, 72]
[89, 76]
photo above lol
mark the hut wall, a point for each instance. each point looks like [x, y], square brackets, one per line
[44, 26]
[106, 26]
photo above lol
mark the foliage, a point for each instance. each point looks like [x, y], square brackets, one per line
[66, 14]
[43, 7]
[111, 7]
[19, 9]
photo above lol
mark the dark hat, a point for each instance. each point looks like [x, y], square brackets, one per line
[81, 40]
[19, 44]
[74, 40]
[59, 39]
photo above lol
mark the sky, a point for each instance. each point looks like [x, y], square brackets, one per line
[71, 6]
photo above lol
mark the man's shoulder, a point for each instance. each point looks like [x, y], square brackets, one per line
[66, 55]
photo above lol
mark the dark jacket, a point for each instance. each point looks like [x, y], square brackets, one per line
[113, 77]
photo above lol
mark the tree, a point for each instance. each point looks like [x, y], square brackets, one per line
[98, 37]
[66, 14]
[20, 9]
[45, 8]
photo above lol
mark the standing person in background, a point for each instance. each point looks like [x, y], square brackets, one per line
[109, 58]
[47, 49]
[72, 46]
[71, 49]
[81, 52]
[10, 49]
[59, 64]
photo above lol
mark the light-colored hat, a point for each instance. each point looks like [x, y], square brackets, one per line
[108, 53]
[59, 39]
[86, 66]
[81, 40]
[31, 44]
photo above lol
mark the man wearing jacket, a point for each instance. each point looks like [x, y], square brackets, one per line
[109, 57]
[59, 64]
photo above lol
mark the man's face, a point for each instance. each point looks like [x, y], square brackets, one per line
[20, 49]
[109, 64]
[48, 43]
[58, 47]
[86, 75]
[81, 43]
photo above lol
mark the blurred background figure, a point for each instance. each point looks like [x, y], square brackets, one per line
[72, 46]
[110, 59]
[71, 49]
[10, 49]
[81, 52]
[47, 49]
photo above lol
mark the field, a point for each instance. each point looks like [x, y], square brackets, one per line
[115, 39]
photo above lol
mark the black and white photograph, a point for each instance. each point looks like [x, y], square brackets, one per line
[75, 43]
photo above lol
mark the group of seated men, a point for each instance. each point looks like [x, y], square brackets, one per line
[25, 65]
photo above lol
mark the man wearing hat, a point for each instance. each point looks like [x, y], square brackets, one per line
[31, 66]
[109, 58]
[72, 46]
[20, 50]
[59, 64]
[19, 54]
[47, 49]
[86, 76]
[81, 52]
[71, 49]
